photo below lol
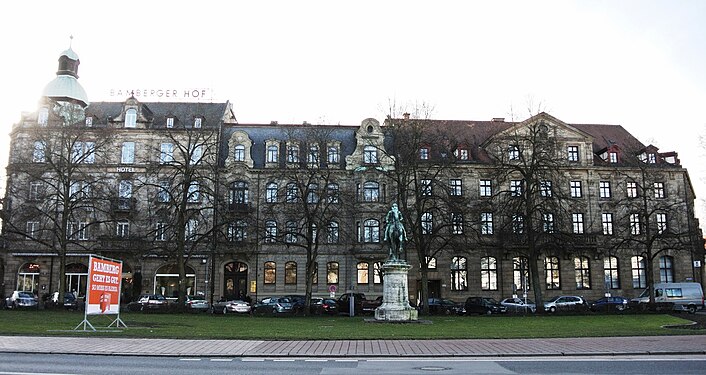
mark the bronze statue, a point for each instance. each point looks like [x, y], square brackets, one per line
[395, 234]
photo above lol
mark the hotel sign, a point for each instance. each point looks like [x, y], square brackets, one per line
[188, 94]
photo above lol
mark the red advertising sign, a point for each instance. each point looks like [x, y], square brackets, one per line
[103, 290]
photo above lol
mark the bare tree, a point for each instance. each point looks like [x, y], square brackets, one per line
[57, 200]
[304, 193]
[181, 189]
[424, 174]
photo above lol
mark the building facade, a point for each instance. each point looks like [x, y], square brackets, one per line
[249, 208]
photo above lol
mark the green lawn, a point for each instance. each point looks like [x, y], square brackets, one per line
[206, 326]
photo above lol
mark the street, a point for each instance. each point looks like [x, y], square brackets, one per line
[56, 364]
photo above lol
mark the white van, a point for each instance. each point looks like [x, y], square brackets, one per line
[685, 296]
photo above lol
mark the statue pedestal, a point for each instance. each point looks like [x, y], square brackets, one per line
[395, 298]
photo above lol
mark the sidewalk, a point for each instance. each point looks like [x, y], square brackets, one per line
[648, 345]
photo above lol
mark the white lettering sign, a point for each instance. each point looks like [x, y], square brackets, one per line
[188, 94]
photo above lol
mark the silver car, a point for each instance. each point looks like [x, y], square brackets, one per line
[234, 306]
[519, 305]
[20, 299]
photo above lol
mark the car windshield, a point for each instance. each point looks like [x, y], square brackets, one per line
[645, 293]
[553, 299]
[284, 300]
[25, 295]
[491, 300]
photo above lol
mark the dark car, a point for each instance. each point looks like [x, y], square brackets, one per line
[610, 304]
[321, 306]
[484, 305]
[298, 302]
[70, 301]
[440, 306]
[273, 306]
[149, 302]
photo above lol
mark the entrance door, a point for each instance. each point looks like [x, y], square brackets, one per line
[235, 280]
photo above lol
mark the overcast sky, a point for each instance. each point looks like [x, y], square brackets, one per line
[639, 64]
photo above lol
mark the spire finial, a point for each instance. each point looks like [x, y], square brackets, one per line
[71, 41]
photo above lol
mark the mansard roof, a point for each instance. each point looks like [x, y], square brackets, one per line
[157, 112]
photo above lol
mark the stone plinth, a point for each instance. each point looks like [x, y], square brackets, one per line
[395, 297]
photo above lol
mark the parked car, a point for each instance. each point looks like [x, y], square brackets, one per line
[440, 306]
[680, 296]
[320, 306]
[298, 301]
[233, 306]
[70, 302]
[483, 305]
[361, 304]
[565, 303]
[197, 303]
[19, 299]
[149, 302]
[519, 305]
[273, 306]
[609, 304]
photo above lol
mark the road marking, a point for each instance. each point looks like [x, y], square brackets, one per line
[316, 360]
[252, 360]
[221, 359]
[190, 359]
[346, 360]
[283, 360]
[32, 373]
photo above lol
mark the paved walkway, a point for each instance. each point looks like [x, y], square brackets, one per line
[657, 345]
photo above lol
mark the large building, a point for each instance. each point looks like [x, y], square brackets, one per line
[491, 208]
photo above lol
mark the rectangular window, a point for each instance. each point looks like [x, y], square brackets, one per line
[575, 189]
[486, 223]
[370, 155]
[486, 188]
[604, 189]
[170, 122]
[163, 191]
[427, 222]
[572, 153]
[32, 229]
[332, 273]
[513, 152]
[582, 270]
[362, 276]
[545, 189]
[89, 121]
[577, 223]
[488, 273]
[292, 154]
[659, 190]
[611, 276]
[39, 153]
[551, 273]
[661, 223]
[607, 222]
[518, 224]
[160, 231]
[166, 153]
[425, 185]
[196, 154]
[128, 153]
[312, 158]
[635, 224]
[194, 192]
[455, 187]
[548, 222]
[272, 154]
[639, 275]
[516, 188]
[424, 153]
[35, 190]
[613, 157]
[123, 229]
[631, 189]
[197, 122]
[456, 223]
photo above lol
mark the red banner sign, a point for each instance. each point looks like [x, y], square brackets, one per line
[104, 280]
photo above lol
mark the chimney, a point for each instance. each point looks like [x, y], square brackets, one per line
[498, 119]
[405, 115]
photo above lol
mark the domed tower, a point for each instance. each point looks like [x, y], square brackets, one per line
[65, 87]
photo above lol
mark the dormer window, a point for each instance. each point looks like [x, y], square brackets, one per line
[89, 121]
[239, 153]
[272, 154]
[43, 116]
[370, 155]
[572, 153]
[424, 153]
[613, 157]
[513, 152]
[292, 154]
[332, 155]
[461, 153]
[197, 123]
[170, 122]
[651, 158]
[130, 118]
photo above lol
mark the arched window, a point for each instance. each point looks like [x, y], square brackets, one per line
[43, 116]
[611, 276]
[166, 281]
[28, 277]
[332, 273]
[362, 272]
[270, 272]
[271, 192]
[377, 273]
[459, 274]
[76, 278]
[290, 273]
[551, 273]
[312, 194]
[370, 155]
[291, 232]
[270, 231]
[39, 152]
[130, 118]
[637, 264]
[292, 194]
[582, 269]
[520, 273]
[239, 153]
[666, 269]
[371, 191]
[332, 193]
[488, 273]
[371, 231]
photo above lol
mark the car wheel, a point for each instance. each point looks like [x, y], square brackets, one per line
[620, 307]
[552, 309]
[225, 310]
[691, 309]
[142, 308]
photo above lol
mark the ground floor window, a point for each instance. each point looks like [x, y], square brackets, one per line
[638, 272]
[488, 273]
[290, 273]
[28, 277]
[76, 279]
[166, 281]
[552, 274]
[362, 272]
[666, 269]
[583, 273]
[610, 273]
[459, 273]
[520, 273]
[332, 273]
[270, 273]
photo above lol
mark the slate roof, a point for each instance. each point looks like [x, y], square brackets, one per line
[157, 112]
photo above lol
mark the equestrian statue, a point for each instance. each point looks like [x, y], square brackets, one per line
[395, 234]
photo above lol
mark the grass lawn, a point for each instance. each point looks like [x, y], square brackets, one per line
[206, 326]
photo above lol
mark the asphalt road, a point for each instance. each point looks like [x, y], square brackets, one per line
[62, 364]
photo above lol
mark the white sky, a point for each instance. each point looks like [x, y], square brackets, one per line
[640, 64]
